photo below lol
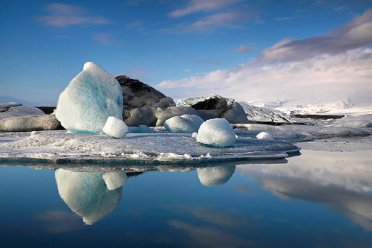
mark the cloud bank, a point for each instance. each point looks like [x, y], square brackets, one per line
[314, 70]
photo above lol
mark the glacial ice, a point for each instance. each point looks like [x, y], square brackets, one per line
[141, 129]
[115, 128]
[89, 99]
[265, 136]
[86, 194]
[114, 180]
[216, 132]
[214, 176]
[183, 124]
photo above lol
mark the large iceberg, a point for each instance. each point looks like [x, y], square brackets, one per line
[183, 124]
[216, 132]
[89, 99]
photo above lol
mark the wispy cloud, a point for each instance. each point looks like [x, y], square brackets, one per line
[211, 62]
[105, 39]
[204, 6]
[63, 15]
[244, 49]
[220, 20]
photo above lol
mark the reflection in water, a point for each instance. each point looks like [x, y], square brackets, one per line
[215, 176]
[87, 194]
[343, 184]
[93, 195]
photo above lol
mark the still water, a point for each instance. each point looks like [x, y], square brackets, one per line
[318, 199]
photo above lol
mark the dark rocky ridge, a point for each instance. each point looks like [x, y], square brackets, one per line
[140, 102]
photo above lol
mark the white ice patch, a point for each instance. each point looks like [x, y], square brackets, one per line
[264, 136]
[114, 180]
[89, 99]
[216, 132]
[183, 124]
[115, 128]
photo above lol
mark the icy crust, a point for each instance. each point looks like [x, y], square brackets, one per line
[149, 148]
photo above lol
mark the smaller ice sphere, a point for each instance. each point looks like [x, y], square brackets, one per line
[215, 176]
[216, 132]
[183, 124]
[264, 136]
[115, 128]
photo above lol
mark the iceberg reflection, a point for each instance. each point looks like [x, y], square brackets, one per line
[91, 195]
[215, 176]
[342, 183]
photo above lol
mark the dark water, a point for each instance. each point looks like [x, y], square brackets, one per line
[318, 199]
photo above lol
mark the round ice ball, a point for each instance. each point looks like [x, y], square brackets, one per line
[183, 124]
[216, 132]
[264, 136]
[115, 128]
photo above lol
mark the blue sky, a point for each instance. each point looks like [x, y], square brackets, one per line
[235, 48]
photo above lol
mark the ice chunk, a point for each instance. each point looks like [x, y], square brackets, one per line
[86, 194]
[145, 129]
[264, 136]
[360, 121]
[215, 176]
[114, 180]
[183, 124]
[141, 129]
[341, 132]
[89, 99]
[216, 132]
[115, 128]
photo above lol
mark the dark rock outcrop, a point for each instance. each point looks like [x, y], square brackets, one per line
[215, 106]
[141, 101]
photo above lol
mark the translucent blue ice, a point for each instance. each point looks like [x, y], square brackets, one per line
[89, 99]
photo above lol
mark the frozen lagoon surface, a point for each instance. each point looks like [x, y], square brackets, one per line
[68, 190]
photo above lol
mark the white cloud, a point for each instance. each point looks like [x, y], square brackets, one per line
[354, 34]
[320, 79]
[63, 15]
[321, 69]
[201, 5]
